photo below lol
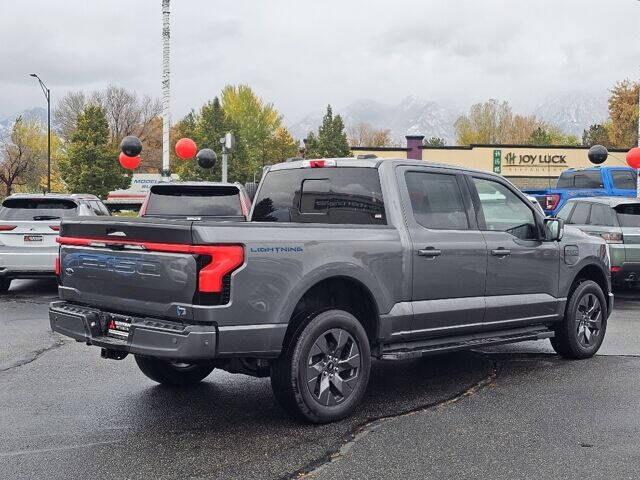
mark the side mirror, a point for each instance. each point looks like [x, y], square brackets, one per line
[553, 229]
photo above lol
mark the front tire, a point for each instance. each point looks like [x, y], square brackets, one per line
[168, 372]
[581, 332]
[323, 371]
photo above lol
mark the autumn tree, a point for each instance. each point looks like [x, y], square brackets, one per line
[364, 135]
[24, 156]
[91, 161]
[623, 114]
[494, 122]
[260, 134]
[330, 141]
[205, 127]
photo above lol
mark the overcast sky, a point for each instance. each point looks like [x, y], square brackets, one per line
[303, 54]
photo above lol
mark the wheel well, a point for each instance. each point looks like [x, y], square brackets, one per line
[591, 272]
[342, 293]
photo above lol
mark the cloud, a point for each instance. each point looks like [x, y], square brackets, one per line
[303, 54]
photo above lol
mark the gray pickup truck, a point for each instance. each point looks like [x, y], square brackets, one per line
[344, 260]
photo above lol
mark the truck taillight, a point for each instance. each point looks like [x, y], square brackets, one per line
[551, 201]
[58, 265]
[224, 260]
[612, 237]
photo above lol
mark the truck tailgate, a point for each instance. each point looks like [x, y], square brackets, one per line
[100, 271]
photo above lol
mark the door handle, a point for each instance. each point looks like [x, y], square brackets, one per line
[429, 252]
[500, 252]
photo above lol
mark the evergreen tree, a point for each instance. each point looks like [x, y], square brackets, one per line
[596, 134]
[91, 163]
[331, 140]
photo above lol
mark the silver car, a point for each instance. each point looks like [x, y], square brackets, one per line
[29, 224]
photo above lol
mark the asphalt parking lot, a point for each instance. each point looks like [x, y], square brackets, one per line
[517, 411]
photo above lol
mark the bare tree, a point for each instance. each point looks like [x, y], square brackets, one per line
[364, 135]
[126, 113]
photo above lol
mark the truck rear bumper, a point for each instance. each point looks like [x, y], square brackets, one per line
[629, 272]
[165, 339]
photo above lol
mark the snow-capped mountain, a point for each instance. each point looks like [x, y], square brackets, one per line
[573, 112]
[570, 112]
[36, 113]
[411, 116]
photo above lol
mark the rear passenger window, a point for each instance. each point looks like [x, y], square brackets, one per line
[342, 195]
[601, 215]
[436, 201]
[580, 213]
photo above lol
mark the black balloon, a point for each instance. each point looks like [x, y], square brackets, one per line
[207, 158]
[597, 154]
[131, 146]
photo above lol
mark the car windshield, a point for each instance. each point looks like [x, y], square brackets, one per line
[628, 214]
[38, 209]
[194, 200]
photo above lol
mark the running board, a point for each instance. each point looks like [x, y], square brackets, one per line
[408, 350]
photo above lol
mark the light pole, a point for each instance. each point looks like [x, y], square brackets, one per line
[47, 94]
[166, 112]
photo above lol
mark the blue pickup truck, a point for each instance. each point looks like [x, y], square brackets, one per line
[586, 182]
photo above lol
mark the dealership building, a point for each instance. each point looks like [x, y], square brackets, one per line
[527, 166]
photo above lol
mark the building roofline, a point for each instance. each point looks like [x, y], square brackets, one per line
[380, 149]
[513, 145]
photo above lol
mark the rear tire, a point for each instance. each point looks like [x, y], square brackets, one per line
[168, 372]
[323, 371]
[5, 283]
[581, 332]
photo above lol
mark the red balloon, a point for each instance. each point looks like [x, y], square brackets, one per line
[633, 157]
[186, 148]
[130, 163]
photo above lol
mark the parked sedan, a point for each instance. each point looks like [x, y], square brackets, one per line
[29, 224]
[617, 221]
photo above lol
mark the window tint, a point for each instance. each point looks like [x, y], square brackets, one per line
[580, 179]
[580, 213]
[601, 215]
[194, 200]
[436, 200]
[37, 209]
[321, 195]
[623, 179]
[504, 211]
[628, 214]
[565, 211]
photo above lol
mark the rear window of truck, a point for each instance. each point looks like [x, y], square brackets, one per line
[580, 179]
[342, 195]
[628, 214]
[194, 200]
[37, 209]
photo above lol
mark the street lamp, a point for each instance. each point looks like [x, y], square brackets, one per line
[47, 95]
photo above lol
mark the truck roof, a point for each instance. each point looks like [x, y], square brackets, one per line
[372, 163]
[610, 201]
[62, 196]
